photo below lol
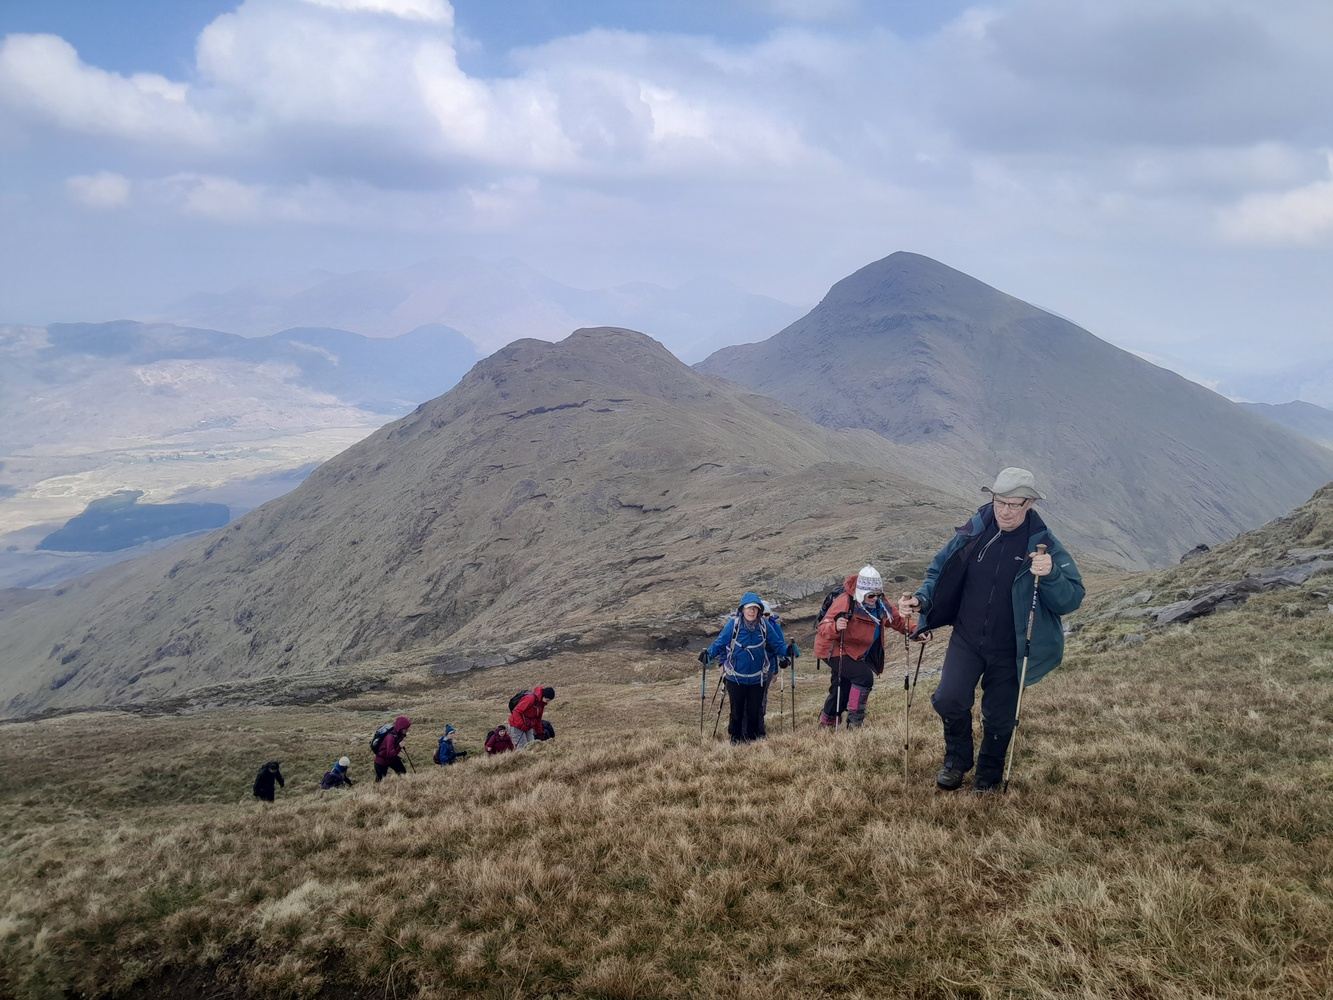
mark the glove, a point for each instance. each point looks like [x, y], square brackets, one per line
[784, 663]
[793, 651]
[703, 657]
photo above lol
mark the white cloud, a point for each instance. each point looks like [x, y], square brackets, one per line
[436, 11]
[43, 79]
[806, 10]
[101, 190]
[1301, 215]
[218, 199]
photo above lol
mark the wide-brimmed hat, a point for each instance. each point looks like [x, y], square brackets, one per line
[1013, 482]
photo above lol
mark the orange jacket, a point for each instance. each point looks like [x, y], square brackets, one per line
[860, 633]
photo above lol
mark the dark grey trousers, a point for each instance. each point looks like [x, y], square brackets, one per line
[964, 666]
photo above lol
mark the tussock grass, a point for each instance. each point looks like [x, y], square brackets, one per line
[1169, 835]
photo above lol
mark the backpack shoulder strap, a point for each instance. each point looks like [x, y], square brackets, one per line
[735, 621]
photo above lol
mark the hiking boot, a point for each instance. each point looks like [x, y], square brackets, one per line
[949, 778]
[986, 786]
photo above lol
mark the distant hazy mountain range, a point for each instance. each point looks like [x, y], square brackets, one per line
[492, 303]
[87, 409]
[1141, 463]
[1310, 379]
[1312, 421]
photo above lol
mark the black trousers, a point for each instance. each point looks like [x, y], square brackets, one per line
[964, 666]
[850, 682]
[746, 722]
[395, 765]
[763, 705]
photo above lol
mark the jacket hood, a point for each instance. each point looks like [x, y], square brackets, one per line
[402, 723]
[750, 597]
[849, 585]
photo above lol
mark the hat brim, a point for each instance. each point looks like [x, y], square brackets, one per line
[1027, 492]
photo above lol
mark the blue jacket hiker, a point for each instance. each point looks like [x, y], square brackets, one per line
[748, 647]
[982, 583]
[445, 753]
[337, 776]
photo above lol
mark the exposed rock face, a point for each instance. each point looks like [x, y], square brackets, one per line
[1278, 556]
[561, 494]
[1139, 462]
[1194, 553]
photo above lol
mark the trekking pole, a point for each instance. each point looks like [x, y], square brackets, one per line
[911, 693]
[409, 760]
[718, 721]
[837, 676]
[1022, 677]
[793, 694]
[703, 694]
[717, 688]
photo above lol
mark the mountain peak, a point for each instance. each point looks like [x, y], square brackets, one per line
[909, 281]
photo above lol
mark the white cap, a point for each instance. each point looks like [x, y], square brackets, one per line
[344, 762]
[868, 581]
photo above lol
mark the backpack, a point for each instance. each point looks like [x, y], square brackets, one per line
[829, 598]
[513, 702]
[377, 740]
[832, 596]
[498, 740]
[548, 731]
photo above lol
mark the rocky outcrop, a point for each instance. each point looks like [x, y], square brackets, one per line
[1298, 566]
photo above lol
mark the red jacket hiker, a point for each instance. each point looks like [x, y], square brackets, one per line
[855, 655]
[391, 746]
[527, 714]
[859, 635]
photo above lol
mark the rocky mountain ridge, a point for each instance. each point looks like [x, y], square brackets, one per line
[561, 494]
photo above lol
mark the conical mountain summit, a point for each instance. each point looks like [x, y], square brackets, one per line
[1142, 463]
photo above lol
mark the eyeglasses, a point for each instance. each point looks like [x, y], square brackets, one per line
[1014, 505]
[869, 596]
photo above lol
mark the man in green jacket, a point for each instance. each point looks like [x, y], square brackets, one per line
[981, 583]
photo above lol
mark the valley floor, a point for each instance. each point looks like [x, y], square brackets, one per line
[1169, 834]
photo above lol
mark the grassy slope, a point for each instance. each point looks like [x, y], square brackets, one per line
[1169, 835]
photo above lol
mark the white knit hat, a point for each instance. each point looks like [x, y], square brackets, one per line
[868, 581]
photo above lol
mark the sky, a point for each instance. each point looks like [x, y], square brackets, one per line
[1158, 171]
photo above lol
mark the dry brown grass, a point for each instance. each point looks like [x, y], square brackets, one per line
[1169, 835]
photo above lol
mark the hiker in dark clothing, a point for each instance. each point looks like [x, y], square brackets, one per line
[389, 755]
[268, 774]
[749, 647]
[445, 752]
[982, 583]
[337, 776]
[850, 637]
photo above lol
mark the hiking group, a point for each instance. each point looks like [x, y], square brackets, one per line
[1002, 582]
[523, 727]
